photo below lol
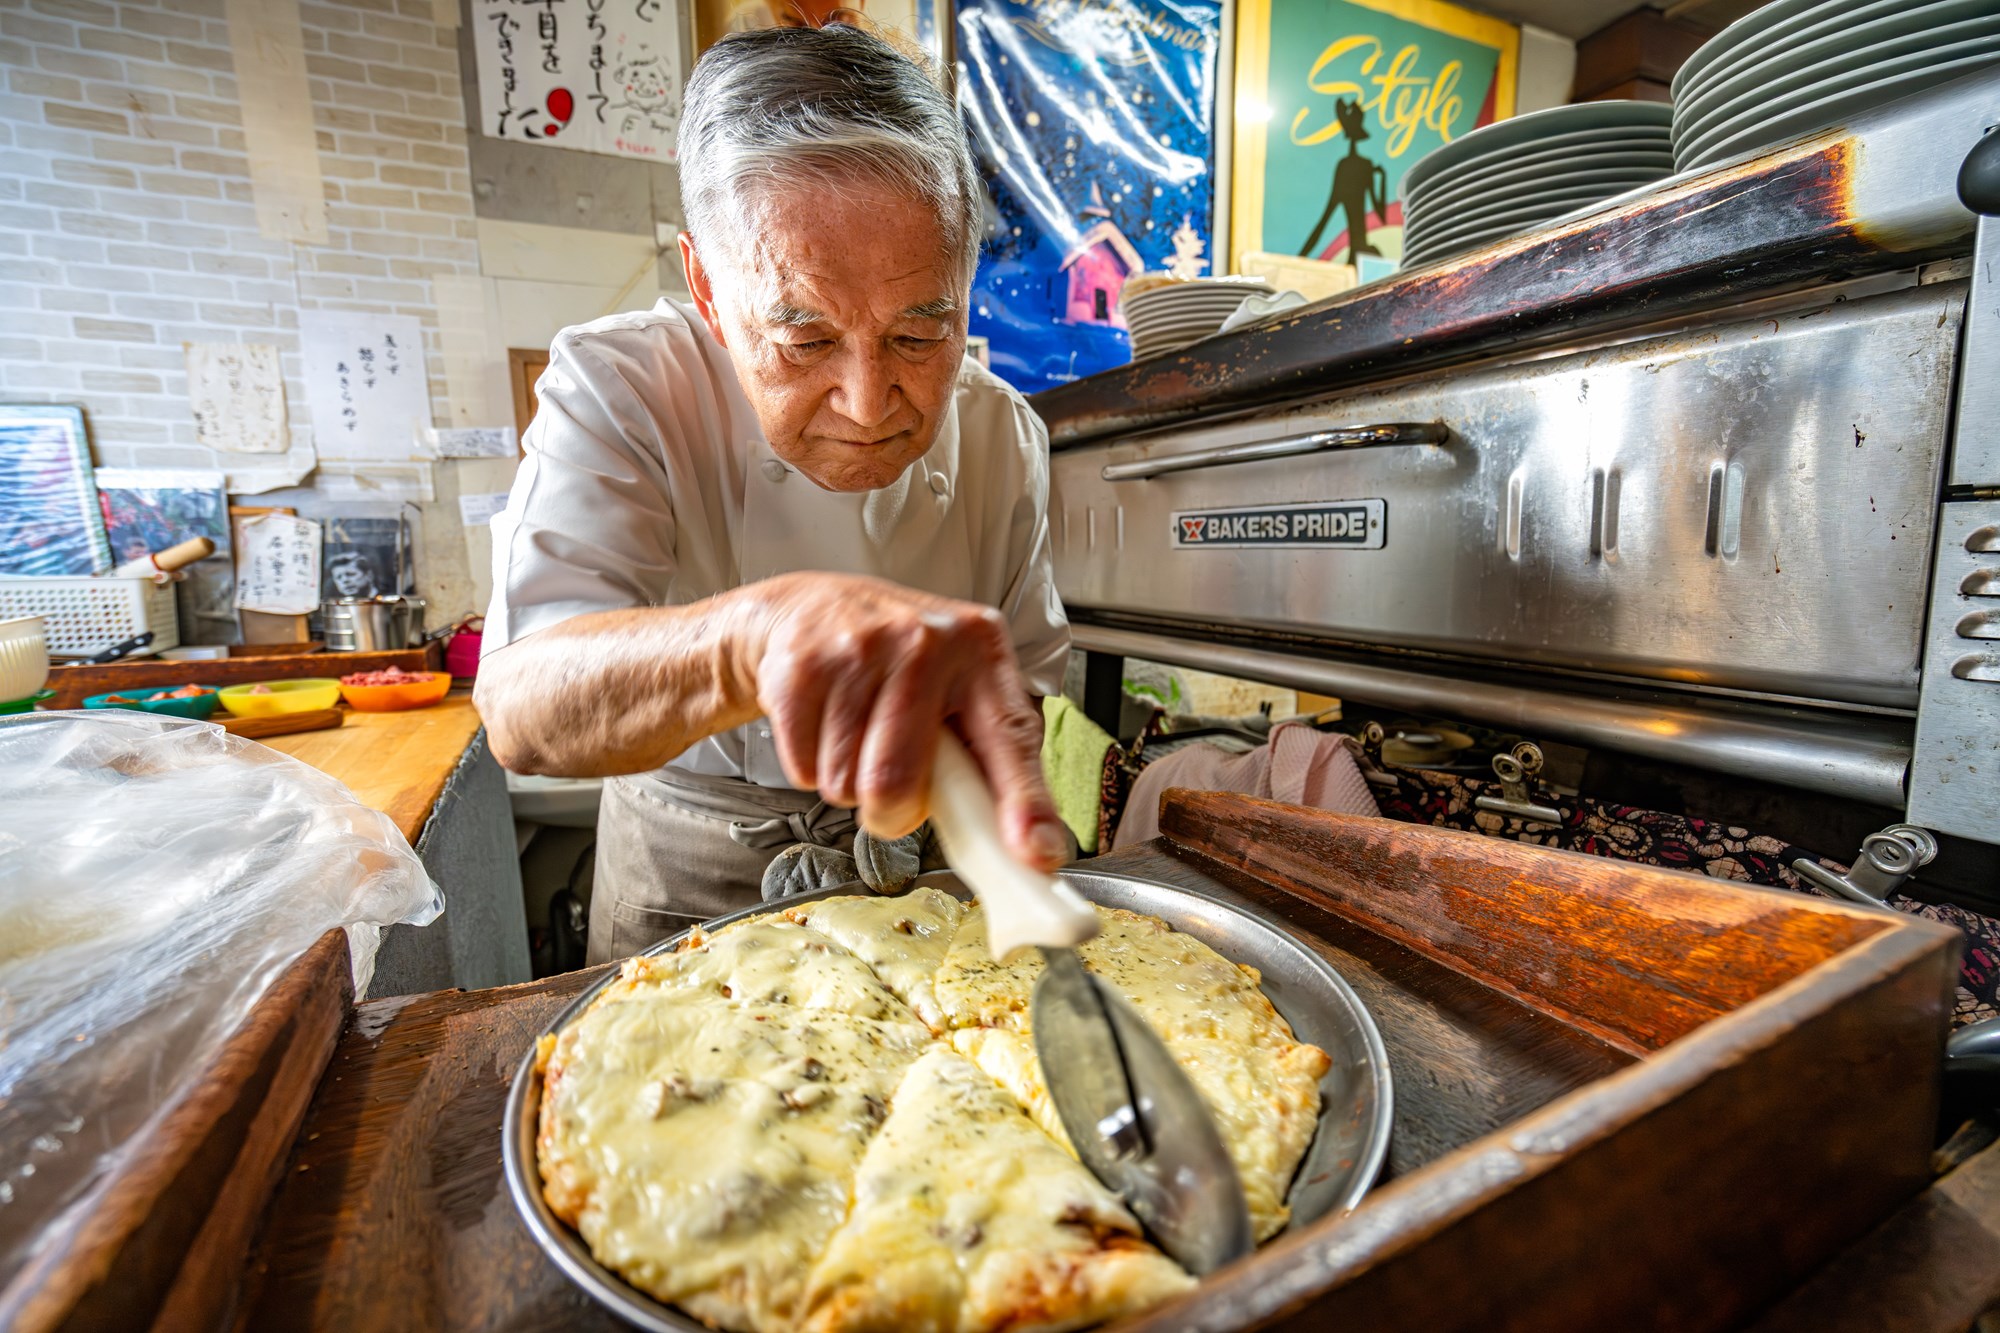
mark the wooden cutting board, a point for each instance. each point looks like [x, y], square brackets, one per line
[257, 728]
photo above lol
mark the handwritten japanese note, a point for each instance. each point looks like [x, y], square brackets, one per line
[474, 442]
[277, 565]
[237, 393]
[366, 384]
[603, 76]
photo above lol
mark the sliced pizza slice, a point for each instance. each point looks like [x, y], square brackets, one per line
[904, 938]
[705, 1149]
[968, 1219]
[1178, 982]
[766, 960]
[1260, 1081]
[1265, 1101]
[976, 990]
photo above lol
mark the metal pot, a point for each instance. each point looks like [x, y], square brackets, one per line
[372, 624]
[406, 620]
[359, 624]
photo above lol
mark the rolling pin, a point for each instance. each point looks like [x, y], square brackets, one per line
[159, 564]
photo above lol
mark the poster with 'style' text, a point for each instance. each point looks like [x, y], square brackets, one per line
[603, 76]
[1336, 99]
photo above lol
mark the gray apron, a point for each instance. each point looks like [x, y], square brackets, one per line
[675, 849]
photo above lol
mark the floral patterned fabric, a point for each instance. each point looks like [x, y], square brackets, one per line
[1676, 842]
[1622, 832]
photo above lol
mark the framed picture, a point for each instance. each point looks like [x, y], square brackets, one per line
[1336, 99]
[366, 557]
[147, 510]
[50, 522]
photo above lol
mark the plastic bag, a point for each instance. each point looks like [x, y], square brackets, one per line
[156, 875]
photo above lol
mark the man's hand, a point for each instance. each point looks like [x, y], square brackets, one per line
[858, 677]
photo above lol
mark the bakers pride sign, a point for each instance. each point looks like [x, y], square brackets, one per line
[1358, 525]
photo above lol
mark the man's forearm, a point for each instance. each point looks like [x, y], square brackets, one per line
[615, 692]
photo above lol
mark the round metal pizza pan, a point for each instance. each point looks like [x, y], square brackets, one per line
[1347, 1150]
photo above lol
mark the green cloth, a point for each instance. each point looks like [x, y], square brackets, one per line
[1073, 762]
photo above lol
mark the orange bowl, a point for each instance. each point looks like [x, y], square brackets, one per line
[395, 698]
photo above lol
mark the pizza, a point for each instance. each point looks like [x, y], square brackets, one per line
[1261, 1083]
[830, 1118]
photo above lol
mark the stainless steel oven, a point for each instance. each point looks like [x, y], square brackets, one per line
[1710, 475]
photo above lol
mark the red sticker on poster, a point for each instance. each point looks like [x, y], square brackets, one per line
[562, 106]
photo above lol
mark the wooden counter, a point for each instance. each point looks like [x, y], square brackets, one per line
[393, 762]
[1580, 1049]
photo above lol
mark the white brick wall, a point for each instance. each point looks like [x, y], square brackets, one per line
[126, 220]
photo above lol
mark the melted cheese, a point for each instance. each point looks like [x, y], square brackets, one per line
[1177, 982]
[1260, 1082]
[704, 1148]
[903, 939]
[768, 961]
[710, 1124]
[967, 1219]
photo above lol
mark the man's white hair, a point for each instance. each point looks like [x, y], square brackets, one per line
[821, 109]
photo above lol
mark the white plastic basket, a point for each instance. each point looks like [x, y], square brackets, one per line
[87, 615]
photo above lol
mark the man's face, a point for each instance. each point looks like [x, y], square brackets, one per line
[350, 579]
[846, 324]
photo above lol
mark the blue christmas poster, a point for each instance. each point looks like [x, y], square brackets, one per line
[1093, 122]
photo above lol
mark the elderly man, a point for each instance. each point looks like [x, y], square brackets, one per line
[763, 550]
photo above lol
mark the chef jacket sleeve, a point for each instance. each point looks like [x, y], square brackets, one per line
[1034, 612]
[589, 525]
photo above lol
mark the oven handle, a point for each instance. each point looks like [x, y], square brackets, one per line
[1346, 437]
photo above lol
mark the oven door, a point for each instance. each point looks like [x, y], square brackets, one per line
[1746, 508]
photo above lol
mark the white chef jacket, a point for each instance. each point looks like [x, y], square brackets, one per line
[647, 482]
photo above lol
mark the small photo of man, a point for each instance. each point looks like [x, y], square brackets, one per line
[365, 556]
[352, 575]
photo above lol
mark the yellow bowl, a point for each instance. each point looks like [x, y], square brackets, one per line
[286, 696]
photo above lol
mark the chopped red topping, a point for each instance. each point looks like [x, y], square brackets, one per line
[388, 676]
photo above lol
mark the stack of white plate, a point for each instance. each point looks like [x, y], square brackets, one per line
[1167, 317]
[1517, 174]
[1798, 66]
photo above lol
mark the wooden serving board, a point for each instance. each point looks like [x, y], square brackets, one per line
[1624, 1098]
[1781, 1102]
[74, 684]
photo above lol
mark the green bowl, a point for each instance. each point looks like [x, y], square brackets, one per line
[148, 701]
[26, 705]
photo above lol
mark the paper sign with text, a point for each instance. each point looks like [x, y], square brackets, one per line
[237, 393]
[474, 442]
[586, 74]
[478, 510]
[366, 384]
[277, 567]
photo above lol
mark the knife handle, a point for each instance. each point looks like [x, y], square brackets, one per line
[1024, 907]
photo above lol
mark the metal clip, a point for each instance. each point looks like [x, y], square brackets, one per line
[1516, 771]
[1371, 738]
[1886, 860]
